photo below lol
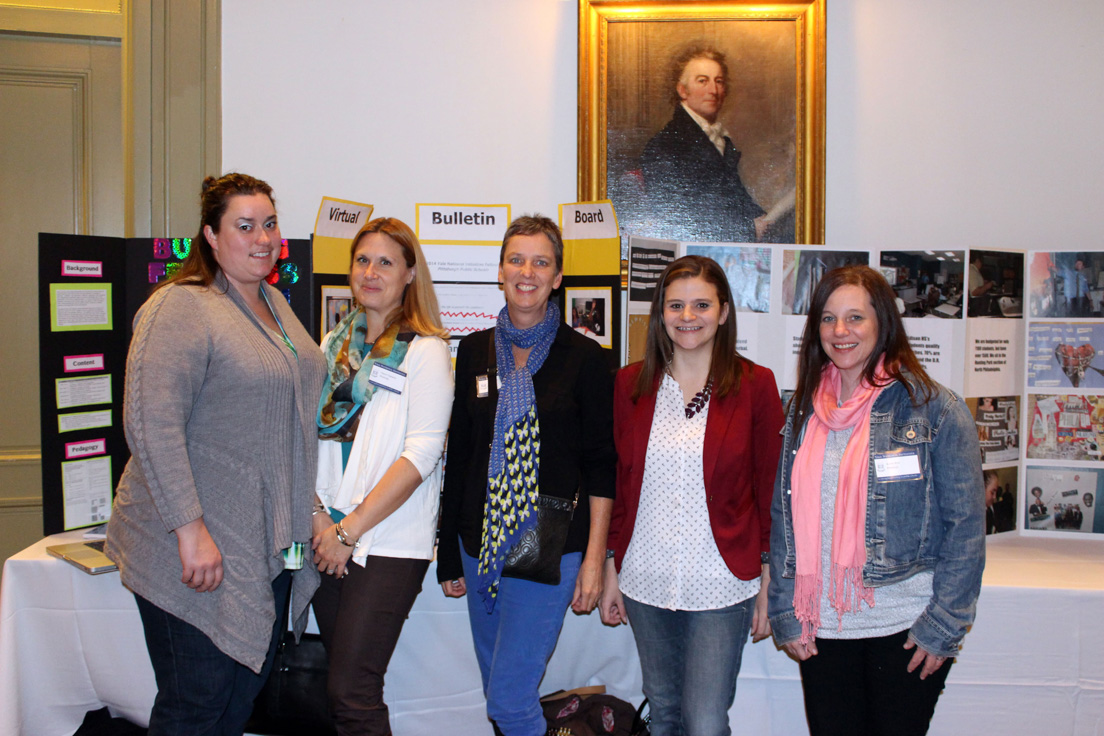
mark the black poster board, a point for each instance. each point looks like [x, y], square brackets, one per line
[78, 364]
[81, 280]
[151, 260]
[591, 305]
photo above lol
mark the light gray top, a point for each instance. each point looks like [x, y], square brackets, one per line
[220, 419]
[896, 606]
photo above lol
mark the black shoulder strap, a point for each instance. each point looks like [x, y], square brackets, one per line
[492, 368]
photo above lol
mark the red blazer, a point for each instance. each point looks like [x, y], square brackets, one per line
[742, 445]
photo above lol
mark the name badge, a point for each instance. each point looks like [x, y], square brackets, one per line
[892, 466]
[483, 383]
[387, 378]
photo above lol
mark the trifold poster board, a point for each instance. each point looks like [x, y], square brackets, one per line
[89, 291]
[82, 356]
[462, 243]
[1020, 336]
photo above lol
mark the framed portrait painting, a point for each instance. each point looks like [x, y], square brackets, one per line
[704, 120]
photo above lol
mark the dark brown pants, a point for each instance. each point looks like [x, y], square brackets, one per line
[360, 618]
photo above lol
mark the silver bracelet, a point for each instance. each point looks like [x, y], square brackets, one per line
[343, 537]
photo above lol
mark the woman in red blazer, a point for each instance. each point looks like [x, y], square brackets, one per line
[697, 433]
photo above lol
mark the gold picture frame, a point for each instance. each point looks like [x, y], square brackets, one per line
[775, 55]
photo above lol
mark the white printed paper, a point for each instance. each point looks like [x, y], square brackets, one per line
[86, 491]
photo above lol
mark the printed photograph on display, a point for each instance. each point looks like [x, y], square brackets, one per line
[1064, 499]
[651, 76]
[1066, 284]
[927, 282]
[1065, 355]
[1000, 499]
[588, 313]
[803, 269]
[337, 303]
[1065, 427]
[748, 269]
[997, 419]
[995, 284]
[647, 259]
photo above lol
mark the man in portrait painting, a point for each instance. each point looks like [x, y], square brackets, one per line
[691, 167]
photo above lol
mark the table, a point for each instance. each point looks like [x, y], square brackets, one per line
[1034, 663]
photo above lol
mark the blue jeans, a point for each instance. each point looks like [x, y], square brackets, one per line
[514, 642]
[200, 690]
[690, 660]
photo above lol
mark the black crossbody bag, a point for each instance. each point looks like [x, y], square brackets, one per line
[536, 555]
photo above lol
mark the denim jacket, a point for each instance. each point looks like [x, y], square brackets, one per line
[936, 522]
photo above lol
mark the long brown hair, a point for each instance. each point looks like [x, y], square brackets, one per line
[200, 267]
[726, 367]
[892, 341]
[419, 301]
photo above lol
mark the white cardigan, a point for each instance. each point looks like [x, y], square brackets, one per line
[413, 425]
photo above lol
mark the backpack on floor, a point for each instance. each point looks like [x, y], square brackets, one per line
[588, 711]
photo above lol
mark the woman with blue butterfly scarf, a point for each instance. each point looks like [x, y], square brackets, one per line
[382, 420]
[532, 428]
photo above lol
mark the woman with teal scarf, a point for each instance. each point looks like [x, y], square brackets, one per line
[382, 421]
[532, 417]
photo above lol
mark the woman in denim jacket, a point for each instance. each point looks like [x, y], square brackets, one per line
[878, 518]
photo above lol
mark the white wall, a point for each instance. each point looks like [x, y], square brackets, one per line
[393, 103]
[950, 123]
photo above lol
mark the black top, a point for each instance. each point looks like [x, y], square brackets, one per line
[695, 192]
[574, 389]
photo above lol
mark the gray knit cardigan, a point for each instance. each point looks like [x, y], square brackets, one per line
[220, 419]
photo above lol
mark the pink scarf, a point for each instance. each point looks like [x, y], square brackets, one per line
[848, 553]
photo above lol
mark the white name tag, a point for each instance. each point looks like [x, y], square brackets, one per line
[483, 383]
[387, 378]
[897, 466]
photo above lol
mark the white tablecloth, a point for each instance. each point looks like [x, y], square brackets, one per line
[1034, 663]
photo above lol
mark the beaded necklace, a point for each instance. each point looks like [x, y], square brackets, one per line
[700, 399]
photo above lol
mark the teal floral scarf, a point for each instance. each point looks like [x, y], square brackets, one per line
[349, 361]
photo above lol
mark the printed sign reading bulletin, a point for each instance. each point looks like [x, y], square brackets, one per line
[462, 241]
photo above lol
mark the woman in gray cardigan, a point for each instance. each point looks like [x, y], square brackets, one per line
[213, 509]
